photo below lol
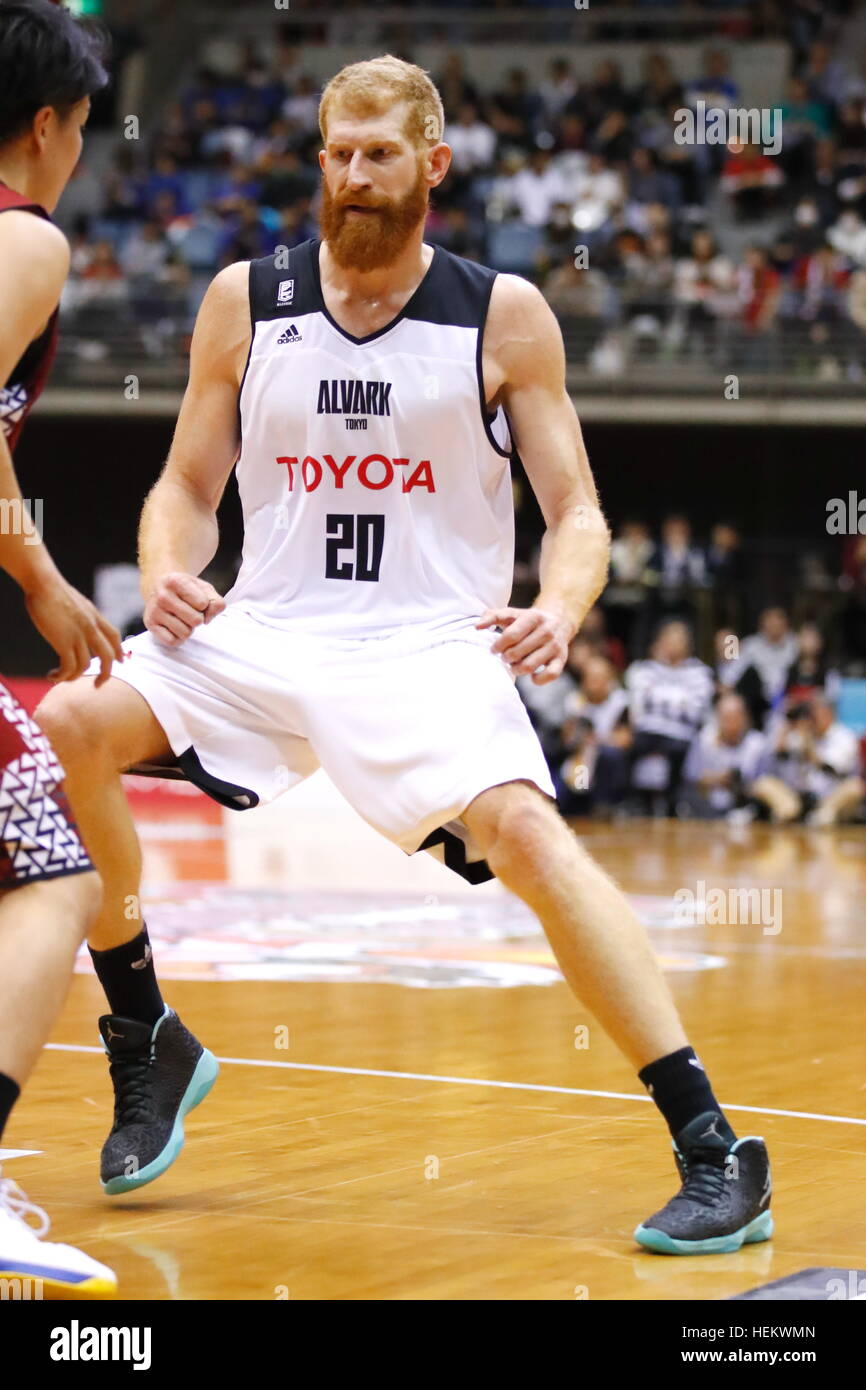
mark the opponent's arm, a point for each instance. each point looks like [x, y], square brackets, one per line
[178, 534]
[527, 345]
[34, 262]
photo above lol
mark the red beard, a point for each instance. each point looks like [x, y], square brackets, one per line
[376, 239]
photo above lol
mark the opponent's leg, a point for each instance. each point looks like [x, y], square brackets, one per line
[159, 1070]
[603, 951]
[42, 925]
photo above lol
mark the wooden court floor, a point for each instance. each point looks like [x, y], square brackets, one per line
[376, 1140]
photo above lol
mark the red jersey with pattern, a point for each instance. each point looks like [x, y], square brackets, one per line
[27, 380]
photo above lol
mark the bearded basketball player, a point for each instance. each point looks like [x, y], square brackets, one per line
[49, 891]
[370, 390]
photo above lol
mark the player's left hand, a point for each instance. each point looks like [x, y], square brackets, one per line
[534, 641]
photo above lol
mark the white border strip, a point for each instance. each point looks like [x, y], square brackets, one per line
[477, 1081]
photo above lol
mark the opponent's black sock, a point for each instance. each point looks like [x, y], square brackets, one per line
[127, 975]
[681, 1089]
[9, 1093]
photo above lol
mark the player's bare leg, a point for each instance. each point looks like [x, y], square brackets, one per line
[97, 734]
[605, 956]
[159, 1070]
[42, 925]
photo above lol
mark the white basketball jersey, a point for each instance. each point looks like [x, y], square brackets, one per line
[376, 486]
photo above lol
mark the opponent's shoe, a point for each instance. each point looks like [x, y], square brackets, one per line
[160, 1073]
[724, 1201]
[32, 1268]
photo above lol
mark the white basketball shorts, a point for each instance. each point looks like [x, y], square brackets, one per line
[410, 727]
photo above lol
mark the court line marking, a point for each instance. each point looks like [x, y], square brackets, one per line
[478, 1081]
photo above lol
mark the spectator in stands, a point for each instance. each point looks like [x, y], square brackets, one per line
[848, 236]
[705, 287]
[714, 84]
[649, 183]
[670, 698]
[823, 75]
[558, 90]
[760, 293]
[164, 179]
[547, 704]
[590, 768]
[627, 589]
[248, 237]
[570, 144]
[646, 280]
[822, 181]
[804, 233]
[455, 87]
[723, 763]
[752, 180]
[104, 273]
[604, 93]
[146, 252]
[581, 294]
[593, 630]
[265, 96]
[295, 224]
[613, 138]
[740, 676]
[821, 280]
[660, 88]
[851, 135]
[514, 110]
[454, 230]
[284, 179]
[597, 192]
[772, 650]
[176, 139]
[815, 769]
[725, 574]
[809, 673]
[854, 86]
[805, 119]
[473, 148]
[677, 569]
[302, 106]
[535, 189]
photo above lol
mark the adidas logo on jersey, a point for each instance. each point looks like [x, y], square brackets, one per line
[291, 335]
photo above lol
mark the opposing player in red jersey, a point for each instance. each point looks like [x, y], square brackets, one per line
[49, 891]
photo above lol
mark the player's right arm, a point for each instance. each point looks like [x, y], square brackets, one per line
[178, 534]
[34, 263]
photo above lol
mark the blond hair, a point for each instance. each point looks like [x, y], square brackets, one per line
[369, 88]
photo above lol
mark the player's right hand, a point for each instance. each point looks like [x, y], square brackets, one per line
[76, 630]
[179, 604]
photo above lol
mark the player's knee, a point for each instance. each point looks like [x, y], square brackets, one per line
[70, 904]
[70, 718]
[86, 898]
[522, 834]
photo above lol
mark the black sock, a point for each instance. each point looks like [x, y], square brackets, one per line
[127, 975]
[9, 1093]
[681, 1089]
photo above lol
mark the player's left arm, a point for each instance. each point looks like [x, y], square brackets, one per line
[524, 340]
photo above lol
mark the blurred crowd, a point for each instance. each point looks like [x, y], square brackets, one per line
[644, 246]
[638, 723]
